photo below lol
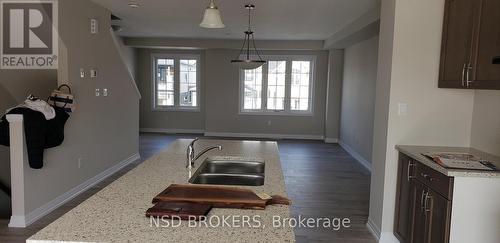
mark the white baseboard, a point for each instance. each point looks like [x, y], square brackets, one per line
[388, 237]
[17, 221]
[24, 221]
[171, 131]
[373, 228]
[331, 140]
[365, 163]
[264, 135]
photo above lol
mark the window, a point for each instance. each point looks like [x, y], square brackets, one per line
[176, 82]
[301, 73]
[282, 86]
[276, 75]
[253, 89]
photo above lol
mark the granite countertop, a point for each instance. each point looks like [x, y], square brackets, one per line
[416, 152]
[116, 213]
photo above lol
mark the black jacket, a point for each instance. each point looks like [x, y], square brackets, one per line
[39, 132]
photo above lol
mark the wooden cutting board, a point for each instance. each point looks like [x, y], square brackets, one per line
[218, 197]
[179, 210]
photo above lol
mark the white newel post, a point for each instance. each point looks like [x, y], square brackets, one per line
[17, 161]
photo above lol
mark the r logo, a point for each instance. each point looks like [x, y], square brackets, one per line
[29, 34]
[27, 28]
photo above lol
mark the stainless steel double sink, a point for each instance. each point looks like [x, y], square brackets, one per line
[230, 171]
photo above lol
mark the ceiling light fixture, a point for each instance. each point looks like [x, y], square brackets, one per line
[212, 18]
[134, 4]
[247, 62]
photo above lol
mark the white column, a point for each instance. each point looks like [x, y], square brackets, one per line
[17, 162]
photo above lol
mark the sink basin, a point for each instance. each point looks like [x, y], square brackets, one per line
[228, 179]
[230, 171]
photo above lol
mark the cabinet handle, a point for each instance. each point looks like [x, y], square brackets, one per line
[463, 74]
[410, 164]
[469, 68]
[422, 197]
[428, 197]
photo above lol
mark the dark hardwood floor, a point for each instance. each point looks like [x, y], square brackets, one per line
[322, 180]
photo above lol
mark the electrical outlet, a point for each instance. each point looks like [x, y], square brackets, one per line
[80, 163]
[94, 26]
[97, 92]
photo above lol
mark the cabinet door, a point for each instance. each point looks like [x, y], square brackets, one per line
[404, 200]
[486, 72]
[456, 50]
[438, 210]
[420, 219]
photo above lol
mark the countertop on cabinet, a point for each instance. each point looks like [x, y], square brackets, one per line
[416, 152]
[117, 212]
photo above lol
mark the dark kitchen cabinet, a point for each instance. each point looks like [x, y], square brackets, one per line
[402, 227]
[438, 212]
[486, 74]
[423, 203]
[419, 220]
[456, 48]
[470, 48]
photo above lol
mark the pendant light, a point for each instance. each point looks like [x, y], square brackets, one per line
[212, 18]
[247, 62]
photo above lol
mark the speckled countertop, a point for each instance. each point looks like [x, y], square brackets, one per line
[116, 213]
[416, 152]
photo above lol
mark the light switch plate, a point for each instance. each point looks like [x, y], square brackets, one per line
[93, 73]
[402, 109]
[82, 73]
[105, 92]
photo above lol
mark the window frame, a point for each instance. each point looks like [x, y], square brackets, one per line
[288, 83]
[177, 105]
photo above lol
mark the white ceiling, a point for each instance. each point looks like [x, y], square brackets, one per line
[272, 19]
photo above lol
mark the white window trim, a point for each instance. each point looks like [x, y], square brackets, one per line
[288, 81]
[176, 106]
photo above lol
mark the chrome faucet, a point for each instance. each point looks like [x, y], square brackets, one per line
[191, 157]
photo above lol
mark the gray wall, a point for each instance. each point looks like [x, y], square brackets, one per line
[220, 93]
[334, 95]
[129, 55]
[223, 99]
[358, 97]
[104, 130]
[173, 121]
[486, 121]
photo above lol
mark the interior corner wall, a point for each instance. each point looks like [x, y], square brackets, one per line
[174, 121]
[103, 131]
[129, 55]
[413, 79]
[381, 114]
[334, 94]
[486, 121]
[358, 97]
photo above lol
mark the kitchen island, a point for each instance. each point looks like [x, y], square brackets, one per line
[117, 212]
